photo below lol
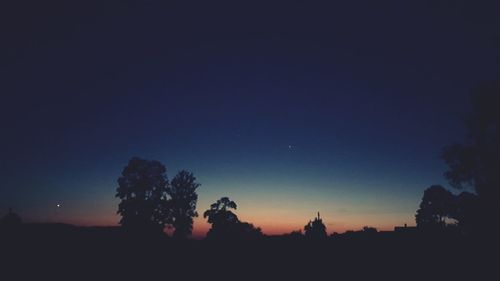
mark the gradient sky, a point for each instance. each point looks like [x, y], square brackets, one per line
[287, 108]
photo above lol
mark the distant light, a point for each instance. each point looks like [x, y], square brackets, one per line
[58, 205]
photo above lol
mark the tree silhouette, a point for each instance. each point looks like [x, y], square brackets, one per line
[182, 204]
[315, 229]
[219, 213]
[436, 206]
[142, 190]
[226, 225]
[466, 212]
[476, 162]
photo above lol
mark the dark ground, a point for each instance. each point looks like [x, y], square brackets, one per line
[44, 252]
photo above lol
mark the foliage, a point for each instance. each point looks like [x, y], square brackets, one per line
[466, 212]
[435, 208]
[219, 213]
[439, 207]
[182, 204]
[476, 162]
[142, 189]
[226, 225]
[315, 229]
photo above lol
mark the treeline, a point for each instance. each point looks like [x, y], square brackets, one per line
[474, 168]
[150, 202]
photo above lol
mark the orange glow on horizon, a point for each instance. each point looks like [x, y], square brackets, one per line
[282, 221]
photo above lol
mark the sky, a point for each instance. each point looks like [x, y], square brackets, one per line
[288, 108]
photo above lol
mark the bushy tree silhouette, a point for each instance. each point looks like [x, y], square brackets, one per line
[315, 229]
[219, 212]
[182, 204]
[466, 212]
[435, 208]
[476, 162]
[142, 189]
[226, 225]
[221, 217]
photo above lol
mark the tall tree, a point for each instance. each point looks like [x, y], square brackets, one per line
[436, 206]
[182, 203]
[142, 189]
[476, 162]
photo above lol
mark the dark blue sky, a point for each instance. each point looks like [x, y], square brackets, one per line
[287, 108]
